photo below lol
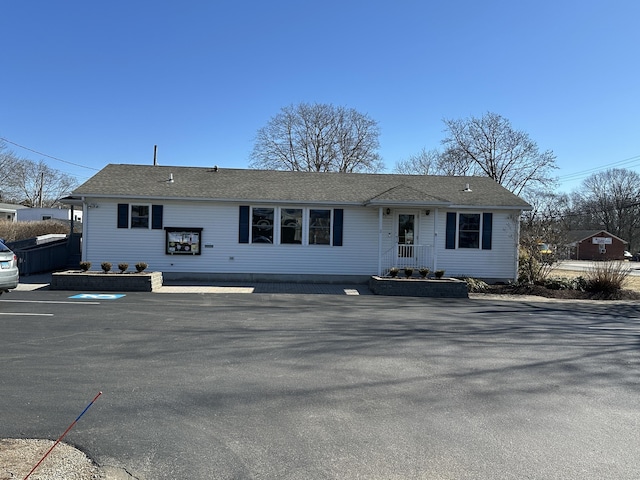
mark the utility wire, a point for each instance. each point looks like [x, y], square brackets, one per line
[576, 175]
[48, 156]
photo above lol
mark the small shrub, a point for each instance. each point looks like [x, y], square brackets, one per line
[559, 283]
[580, 283]
[141, 267]
[607, 277]
[123, 267]
[439, 273]
[533, 269]
[476, 286]
[564, 283]
[408, 272]
[424, 272]
[106, 267]
[85, 266]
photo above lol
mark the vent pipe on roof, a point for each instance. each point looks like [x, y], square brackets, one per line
[155, 155]
[467, 188]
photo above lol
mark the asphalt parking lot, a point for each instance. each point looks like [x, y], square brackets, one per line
[304, 386]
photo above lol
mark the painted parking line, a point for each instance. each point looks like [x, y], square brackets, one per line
[614, 328]
[98, 296]
[48, 301]
[27, 314]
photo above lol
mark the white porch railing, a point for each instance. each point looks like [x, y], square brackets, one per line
[407, 256]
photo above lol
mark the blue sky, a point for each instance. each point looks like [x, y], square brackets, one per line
[97, 82]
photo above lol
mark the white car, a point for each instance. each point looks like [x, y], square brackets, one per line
[9, 275]
[627, 255]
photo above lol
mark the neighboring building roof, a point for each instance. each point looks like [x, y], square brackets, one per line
[10, 207]
[576, 236]
[195, 183]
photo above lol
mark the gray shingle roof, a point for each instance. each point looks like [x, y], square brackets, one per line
[195, 183]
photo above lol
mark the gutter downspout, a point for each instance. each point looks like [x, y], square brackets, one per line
[380, 241]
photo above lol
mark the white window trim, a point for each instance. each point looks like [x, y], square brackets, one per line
[277, 217]
[479, 247]
[276, 238]
[304, 221]
[320, 245]
[149, 217]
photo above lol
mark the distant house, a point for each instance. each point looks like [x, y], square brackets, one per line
[233, 224]
[35, 214]
[8, 211]
[596, 245]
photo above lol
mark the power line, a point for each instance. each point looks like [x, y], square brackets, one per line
[48, 156]
[576, 175]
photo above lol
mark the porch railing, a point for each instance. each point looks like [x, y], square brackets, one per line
[407, 256]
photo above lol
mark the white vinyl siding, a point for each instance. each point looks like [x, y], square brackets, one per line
[221, 252]
[499, 262]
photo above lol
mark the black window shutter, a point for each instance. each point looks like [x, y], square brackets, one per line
[338, 217]
[487, 227]
[450, 238]
[123, 215]
[243, 224]
[156, 217]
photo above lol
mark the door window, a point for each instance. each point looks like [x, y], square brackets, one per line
[406, 234]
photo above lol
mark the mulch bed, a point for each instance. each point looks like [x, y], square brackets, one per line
[562, 294]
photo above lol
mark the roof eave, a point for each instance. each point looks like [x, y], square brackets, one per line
[399, 203]
[150, 198]
[495, 207]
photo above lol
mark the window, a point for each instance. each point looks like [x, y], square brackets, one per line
[319, 227]
[139, 216]
[469, 230]
[291, 225]
[46, 217]
[262, 225]
[298, 226]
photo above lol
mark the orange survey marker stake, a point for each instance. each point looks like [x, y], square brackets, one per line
[62, 436]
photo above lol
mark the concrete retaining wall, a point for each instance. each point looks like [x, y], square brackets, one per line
[106, 282]
[444, 288]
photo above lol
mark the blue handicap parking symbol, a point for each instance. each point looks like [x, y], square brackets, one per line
[98, 296]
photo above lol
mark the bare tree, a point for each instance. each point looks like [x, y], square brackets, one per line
[490, 146]
[5, 156]
[432, 162]
[611, 200]
[424, 163]
[318, 138]
[35, 184]
[544, 224]
[7, 161]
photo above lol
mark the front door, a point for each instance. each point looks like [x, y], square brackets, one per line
[406, 235]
